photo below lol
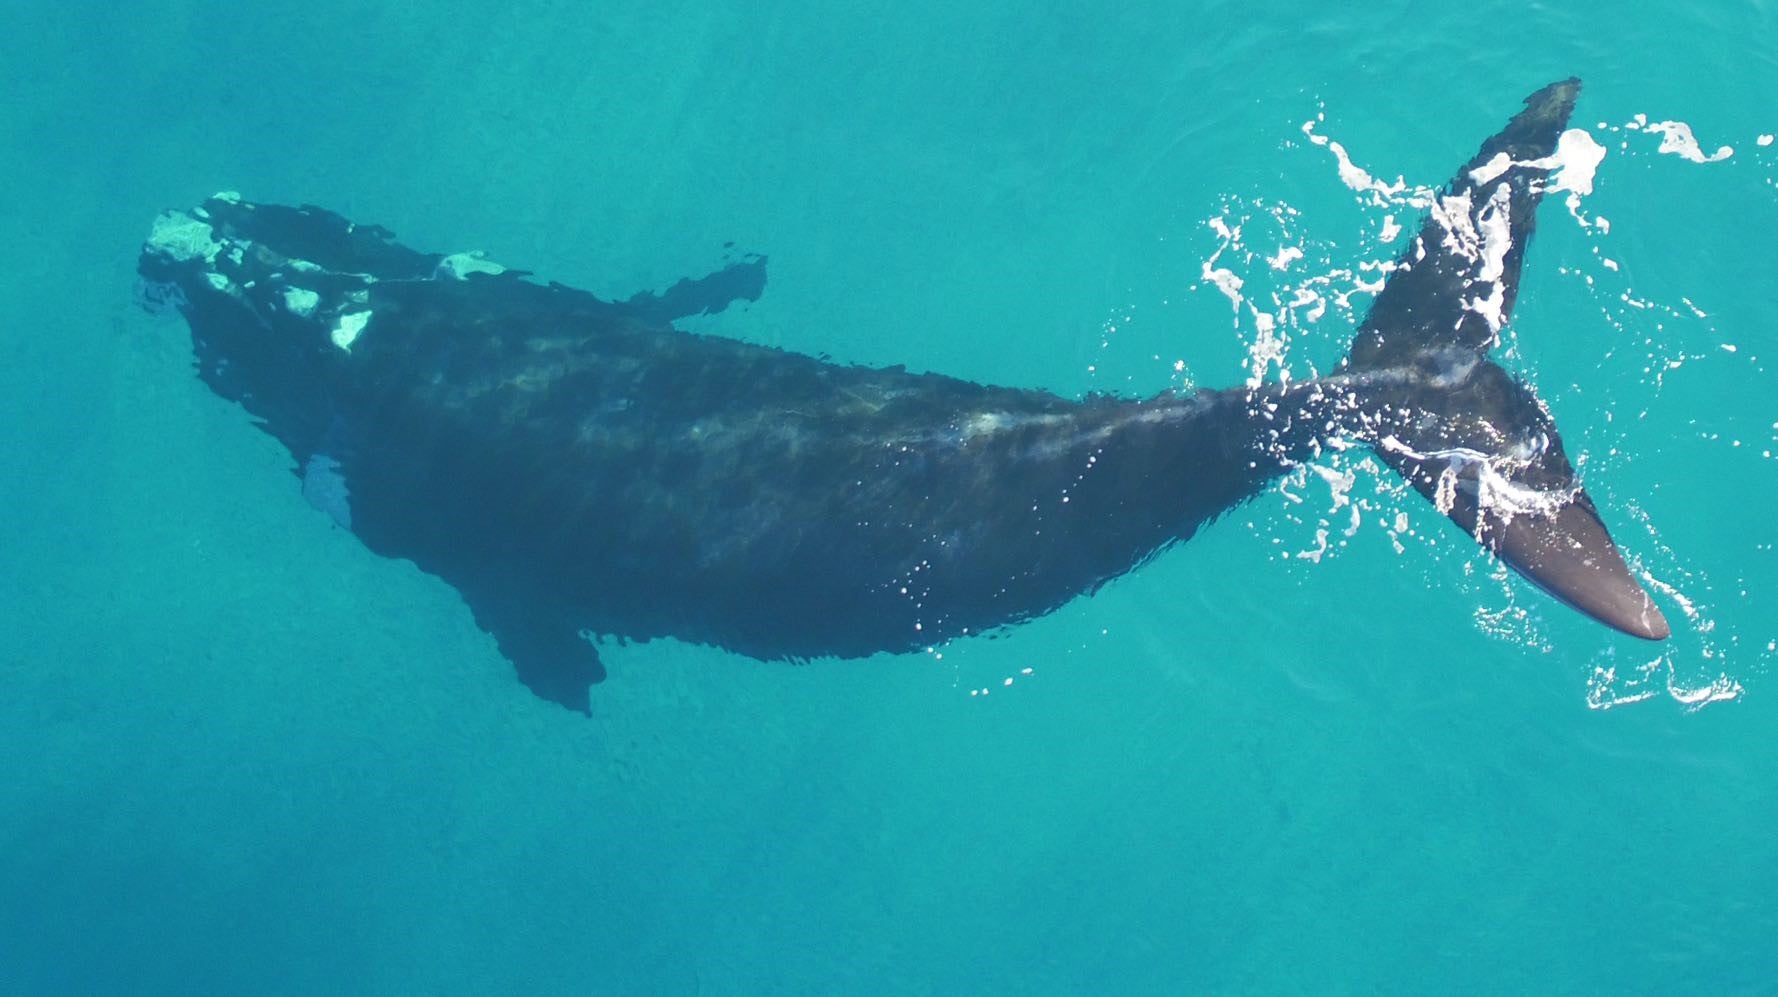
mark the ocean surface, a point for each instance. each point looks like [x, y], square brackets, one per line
[1325, 747]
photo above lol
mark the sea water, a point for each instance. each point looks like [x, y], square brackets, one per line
[1327, 746]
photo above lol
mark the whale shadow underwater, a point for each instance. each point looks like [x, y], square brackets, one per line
[579, 467]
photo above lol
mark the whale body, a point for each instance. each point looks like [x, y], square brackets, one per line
[578, 467]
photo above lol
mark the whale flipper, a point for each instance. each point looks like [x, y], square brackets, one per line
[707, 295]
[547, 649]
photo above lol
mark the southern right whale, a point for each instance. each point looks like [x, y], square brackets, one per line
[577, 467]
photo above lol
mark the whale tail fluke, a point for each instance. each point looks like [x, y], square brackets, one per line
[1462, 430]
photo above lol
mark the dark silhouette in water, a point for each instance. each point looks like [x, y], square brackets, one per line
[576, 466]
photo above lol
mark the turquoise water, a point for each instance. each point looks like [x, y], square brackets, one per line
[241, 754]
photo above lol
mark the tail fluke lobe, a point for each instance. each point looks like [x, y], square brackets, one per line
[1462, 430]
[1524, 505]
[1569, 554]
[1456, 284]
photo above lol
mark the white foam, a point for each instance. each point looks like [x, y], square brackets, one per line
[1677, 140]
[1268, 347]
[1496, 238]
[1573, 165]
[1481, 475]
[1351, 174]
[1491, 170]
[1577, 158]
[1284, 257]
[1339, 484]
[1224, 278]
[1721, 690]
[1453, 213]
[1308, 298]
[1315, 554]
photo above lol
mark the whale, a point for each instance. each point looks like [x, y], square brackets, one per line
[581, 470]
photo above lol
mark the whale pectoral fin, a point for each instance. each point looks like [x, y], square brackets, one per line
[707, 295]
[325, 487]
[551, 657]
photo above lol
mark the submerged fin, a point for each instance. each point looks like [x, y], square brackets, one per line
[325, 487]
[1463, 431]
[551, 657]
[707, 295]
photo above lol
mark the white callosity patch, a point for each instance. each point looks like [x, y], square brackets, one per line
[190, 237]
[458, 266]
[348, 328]
[180, 236]
[301, 301]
